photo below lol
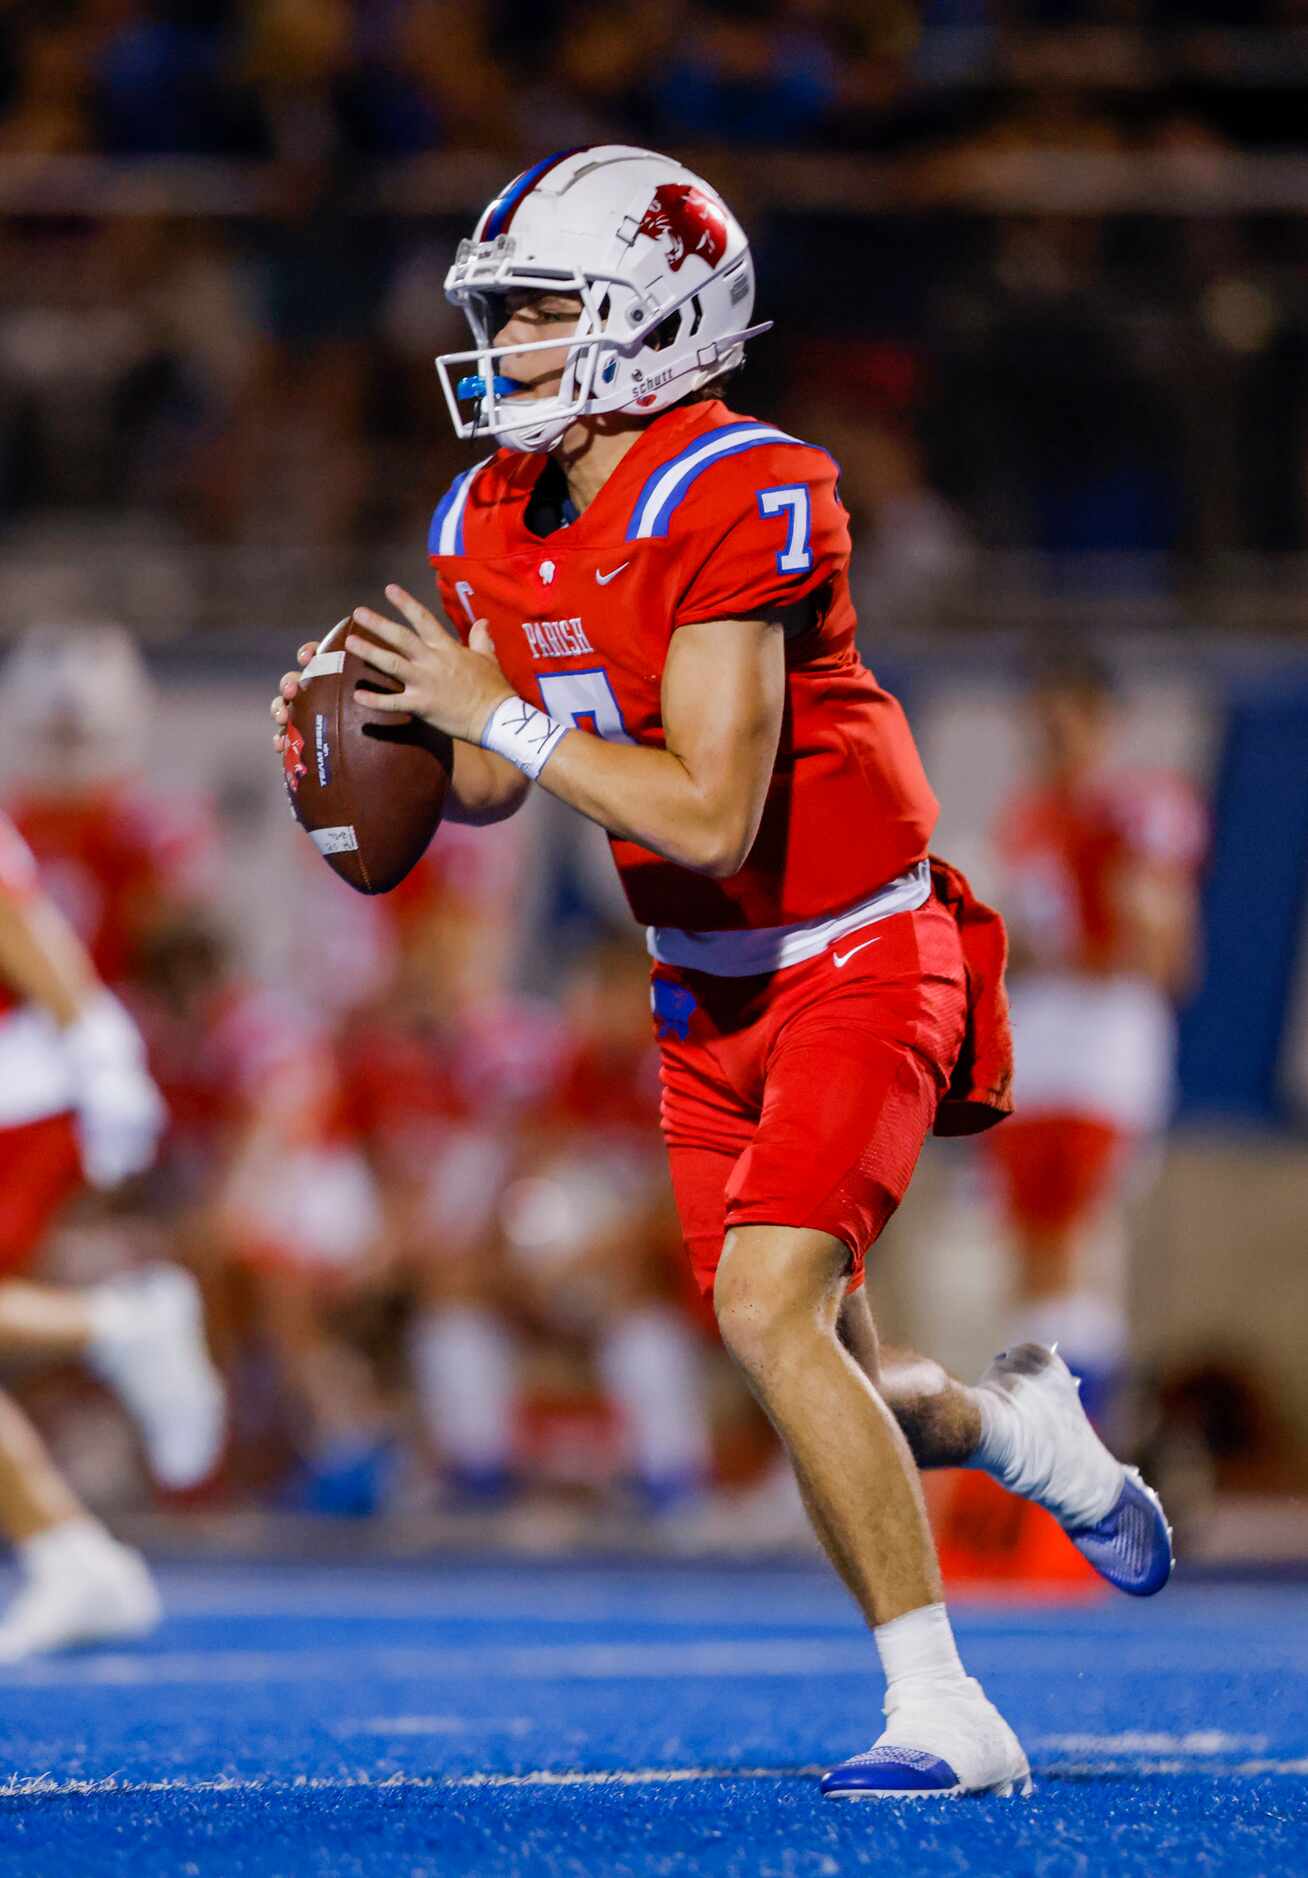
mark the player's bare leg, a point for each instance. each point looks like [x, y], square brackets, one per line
[941, 1418]
[143, 1335]
[778, 1296]
[80, 1585]
[43, 1321]
[33, 1495]
[1024, 1425]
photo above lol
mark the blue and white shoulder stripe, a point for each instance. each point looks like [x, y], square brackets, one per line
[445, 536]
[671, 481]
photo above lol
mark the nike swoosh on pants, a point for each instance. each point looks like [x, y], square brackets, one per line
[843, 958]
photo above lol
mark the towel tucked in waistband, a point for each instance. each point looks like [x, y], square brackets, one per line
[980, 1090]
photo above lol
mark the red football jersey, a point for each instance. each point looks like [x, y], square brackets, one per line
[17, 880]
[709, 516]
[111, 859]
[1063, 850]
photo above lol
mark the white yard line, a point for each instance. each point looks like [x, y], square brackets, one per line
[23, 1786]
[1203, 1741]
[1147, 1769]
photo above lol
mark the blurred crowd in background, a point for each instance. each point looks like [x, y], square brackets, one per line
[1040, 276]
[1050, 222]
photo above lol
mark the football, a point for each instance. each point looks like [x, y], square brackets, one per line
[367, 788]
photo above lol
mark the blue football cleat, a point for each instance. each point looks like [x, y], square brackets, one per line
[886, 1773]
[1131, 1546]
[979, 1751]
[1058, 1460]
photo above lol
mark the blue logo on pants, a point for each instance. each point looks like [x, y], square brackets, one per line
[673, 1007]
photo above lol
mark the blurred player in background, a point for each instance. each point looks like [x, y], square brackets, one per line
[265, 1184]
[591, 1237]
[515, 1150]
[443, 1067]
[119, 860]
[1100, 863]
[77, 1105]
[670, 582]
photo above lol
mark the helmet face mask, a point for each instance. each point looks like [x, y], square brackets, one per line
[616, 227]
[520, 422]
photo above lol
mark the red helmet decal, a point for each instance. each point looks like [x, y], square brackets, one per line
[294, 768]
[685, 221]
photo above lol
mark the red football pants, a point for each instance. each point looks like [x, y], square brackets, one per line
[40, 1171]
[802, 1097]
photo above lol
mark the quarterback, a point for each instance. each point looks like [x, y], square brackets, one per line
[652, 620]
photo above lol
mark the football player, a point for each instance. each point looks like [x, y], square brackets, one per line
[1100, 864]
[77, 1105]
[652, 606]
[265, 1183]
[120, 861]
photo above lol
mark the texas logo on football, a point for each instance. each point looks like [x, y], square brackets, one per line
[294, 767]
[683, 220]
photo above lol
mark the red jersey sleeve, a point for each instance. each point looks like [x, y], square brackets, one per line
[17, 867]
[761, 531]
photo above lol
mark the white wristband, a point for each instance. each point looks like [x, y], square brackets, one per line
[525, 736]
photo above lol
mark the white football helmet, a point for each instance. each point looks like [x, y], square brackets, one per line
[665, 278]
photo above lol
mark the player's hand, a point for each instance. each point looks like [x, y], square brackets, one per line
[452, 687]
[286, 694]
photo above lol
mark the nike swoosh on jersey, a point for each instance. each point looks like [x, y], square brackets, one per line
[604, 579]
[842, 958]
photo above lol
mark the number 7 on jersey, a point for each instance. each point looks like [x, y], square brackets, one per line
[791, 499]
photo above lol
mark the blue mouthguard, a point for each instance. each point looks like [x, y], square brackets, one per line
[476, 387]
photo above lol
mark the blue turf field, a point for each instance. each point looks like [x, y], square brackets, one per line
[590, 1720]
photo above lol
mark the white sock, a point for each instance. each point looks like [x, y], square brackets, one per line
[465, 1373]
[652, 1370]
[919, 1647]
[998, 1452]
[61, 1548]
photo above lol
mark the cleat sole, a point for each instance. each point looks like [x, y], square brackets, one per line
[1018, 1789]
[1150, 1574]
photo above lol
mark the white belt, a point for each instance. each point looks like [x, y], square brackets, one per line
[751, 951]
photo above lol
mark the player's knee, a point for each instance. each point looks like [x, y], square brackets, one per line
[772, 1289]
